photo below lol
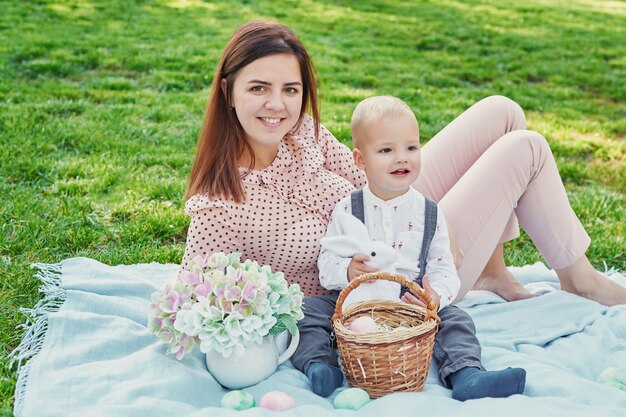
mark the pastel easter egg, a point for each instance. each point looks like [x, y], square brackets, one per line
[238, 400]
[363, 324]
[351, 399]
[615, 385]
[612, 375]
[277, 401]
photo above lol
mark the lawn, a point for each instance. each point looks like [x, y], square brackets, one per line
[101, 103]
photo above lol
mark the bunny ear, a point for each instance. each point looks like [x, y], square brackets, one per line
[343, 246]
[353, 227]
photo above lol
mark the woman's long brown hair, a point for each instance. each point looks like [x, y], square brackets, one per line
[222, 139]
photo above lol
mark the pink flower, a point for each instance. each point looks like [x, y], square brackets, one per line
[200, 260]
[227, 307]
[173, 301]
[203, 290]
[244, 309]
[232, 292]
[218, 291]
[180, 353]
[249, 292]
[190, 277]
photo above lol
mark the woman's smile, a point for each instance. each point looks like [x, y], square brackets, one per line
[271, 121]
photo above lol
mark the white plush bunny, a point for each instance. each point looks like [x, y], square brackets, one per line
[354, 238]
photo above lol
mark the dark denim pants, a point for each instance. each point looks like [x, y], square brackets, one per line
[456, 345]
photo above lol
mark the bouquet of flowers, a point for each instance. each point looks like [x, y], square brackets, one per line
[225, 305]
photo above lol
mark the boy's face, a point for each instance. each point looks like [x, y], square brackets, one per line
[389, 153]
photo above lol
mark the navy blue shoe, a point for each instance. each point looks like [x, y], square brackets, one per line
[324, 378]
[471, 383]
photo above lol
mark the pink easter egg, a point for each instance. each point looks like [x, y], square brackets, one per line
[363, 324]
[277, 401]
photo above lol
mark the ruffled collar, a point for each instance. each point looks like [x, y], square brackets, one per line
[284, 158]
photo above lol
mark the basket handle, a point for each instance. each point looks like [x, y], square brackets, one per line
[413, 286]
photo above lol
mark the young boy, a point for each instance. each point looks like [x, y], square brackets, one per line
[385, 136]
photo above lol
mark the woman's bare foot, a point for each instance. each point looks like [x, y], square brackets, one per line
[581, 278]
[504, 284]
[498, 279]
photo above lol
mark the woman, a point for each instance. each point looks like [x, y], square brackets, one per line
[267, 175]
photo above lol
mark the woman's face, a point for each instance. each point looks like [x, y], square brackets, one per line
[267, 97]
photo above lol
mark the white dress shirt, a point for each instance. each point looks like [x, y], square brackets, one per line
[398, 223]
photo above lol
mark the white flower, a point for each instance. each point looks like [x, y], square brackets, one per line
[232, 325]
[251, 324]
[186, 323]
[295, 306]
[233, 274]
[236, 349]
[273, 299]
[216, 276]
[218, 261]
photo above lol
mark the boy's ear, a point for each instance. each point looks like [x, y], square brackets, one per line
[358, 158]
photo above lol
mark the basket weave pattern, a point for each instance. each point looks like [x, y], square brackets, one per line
[383, 362]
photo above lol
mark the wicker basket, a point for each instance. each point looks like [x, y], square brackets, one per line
[386, 361]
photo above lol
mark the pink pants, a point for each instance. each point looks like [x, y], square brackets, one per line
[487, 171]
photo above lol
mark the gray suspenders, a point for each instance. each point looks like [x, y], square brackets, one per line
[430, 224]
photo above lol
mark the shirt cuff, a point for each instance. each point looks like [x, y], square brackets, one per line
[338, 279]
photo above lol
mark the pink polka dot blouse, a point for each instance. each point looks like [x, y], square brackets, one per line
[286, 211]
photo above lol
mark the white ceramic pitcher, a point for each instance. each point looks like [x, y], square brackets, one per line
[257, 362]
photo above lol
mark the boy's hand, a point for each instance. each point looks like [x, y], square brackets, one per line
[412, 299]
[357, 266]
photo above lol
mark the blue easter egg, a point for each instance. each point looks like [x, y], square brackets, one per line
[238, 400]
[351, 399]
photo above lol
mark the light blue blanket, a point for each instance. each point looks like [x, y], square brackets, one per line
[92, 355]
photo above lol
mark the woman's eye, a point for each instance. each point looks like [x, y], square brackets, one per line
[291, 90]
[257, 89]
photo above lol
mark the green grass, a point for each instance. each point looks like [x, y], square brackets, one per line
[101, 102]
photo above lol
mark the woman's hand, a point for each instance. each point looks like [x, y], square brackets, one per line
[410, 298]
[357, 266]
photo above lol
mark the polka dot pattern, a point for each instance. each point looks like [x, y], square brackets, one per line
[287, 208]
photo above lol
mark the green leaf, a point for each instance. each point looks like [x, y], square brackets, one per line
[284, 322]
[290, 323]
[278, 328]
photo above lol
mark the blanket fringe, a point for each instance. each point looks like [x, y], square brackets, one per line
[36, 326]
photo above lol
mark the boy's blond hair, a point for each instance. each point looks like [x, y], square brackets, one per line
[374, 109]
